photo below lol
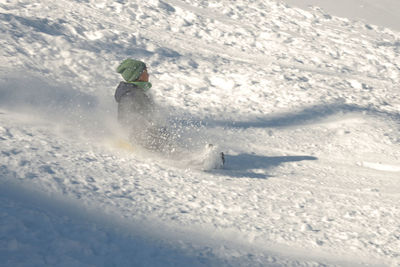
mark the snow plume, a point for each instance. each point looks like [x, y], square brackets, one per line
[45, 99]
[94, 117]
[21, 90]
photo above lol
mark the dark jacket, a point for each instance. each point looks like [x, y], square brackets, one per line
[136, 112]
[134, 105]
[123, 89]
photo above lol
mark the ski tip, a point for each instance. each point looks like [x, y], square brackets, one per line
[222, 158]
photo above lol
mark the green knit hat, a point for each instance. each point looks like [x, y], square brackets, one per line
[131, 69]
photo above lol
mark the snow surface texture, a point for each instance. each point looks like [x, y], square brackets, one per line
[383, 12]
[304, 104]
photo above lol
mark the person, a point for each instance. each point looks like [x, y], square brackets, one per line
[136, 108]
[137, 115]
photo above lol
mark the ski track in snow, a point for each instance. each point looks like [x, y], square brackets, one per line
[305, 106]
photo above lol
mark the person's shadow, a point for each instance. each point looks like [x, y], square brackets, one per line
[241, 166]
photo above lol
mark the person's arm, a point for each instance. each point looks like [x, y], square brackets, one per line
[121, 90]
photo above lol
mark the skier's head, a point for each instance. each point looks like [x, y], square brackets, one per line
[133, 70]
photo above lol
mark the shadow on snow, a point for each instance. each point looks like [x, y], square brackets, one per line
[244, 165]
[308, 115]
[54, 226]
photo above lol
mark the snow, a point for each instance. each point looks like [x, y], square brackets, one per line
[304, 104]
[383, 13]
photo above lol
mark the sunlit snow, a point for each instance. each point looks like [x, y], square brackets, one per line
[304, 104]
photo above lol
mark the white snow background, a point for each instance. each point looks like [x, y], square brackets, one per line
[304, 104]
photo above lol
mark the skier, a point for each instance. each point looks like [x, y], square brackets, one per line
[136, 109]
[137, 115]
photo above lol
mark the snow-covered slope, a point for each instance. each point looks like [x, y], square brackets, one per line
[305, 105]
[382, 13]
